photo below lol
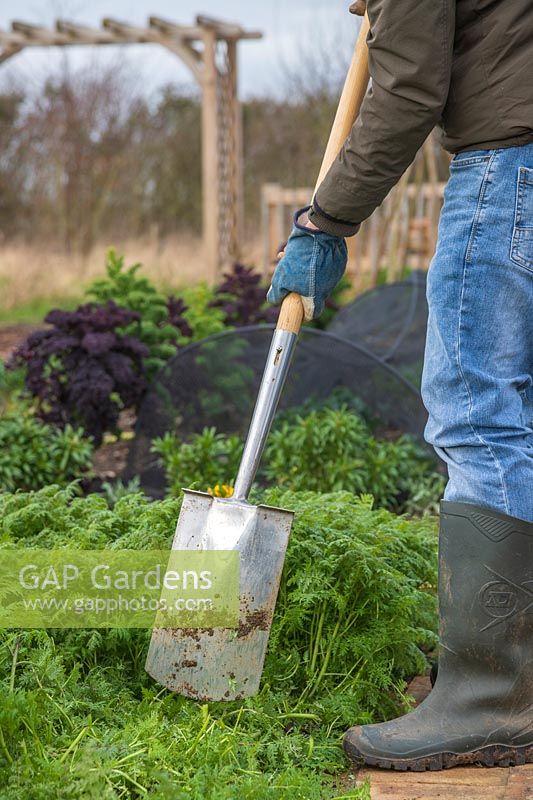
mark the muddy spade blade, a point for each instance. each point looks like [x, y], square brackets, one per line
[226, 663]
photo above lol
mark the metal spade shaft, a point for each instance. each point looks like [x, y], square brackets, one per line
[225, 663]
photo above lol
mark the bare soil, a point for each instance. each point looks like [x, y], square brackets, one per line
[110, 460]
[13, 335]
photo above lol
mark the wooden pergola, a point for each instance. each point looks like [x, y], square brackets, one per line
[209, 49]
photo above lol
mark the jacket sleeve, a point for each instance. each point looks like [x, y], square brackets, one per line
[410, 52]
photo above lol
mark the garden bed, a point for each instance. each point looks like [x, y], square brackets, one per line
[355, 619]
[355, 615]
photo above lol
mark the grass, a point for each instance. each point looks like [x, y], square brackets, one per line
[36, 309]
[37, 277]
[34, 278]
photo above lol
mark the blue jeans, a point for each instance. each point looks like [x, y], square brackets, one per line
[477, 383]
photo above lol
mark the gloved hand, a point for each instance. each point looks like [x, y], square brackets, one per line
[313, 264]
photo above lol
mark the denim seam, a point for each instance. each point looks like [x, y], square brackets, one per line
[459, 342]
[519, 200]
[314, 257]
[479, 210]
[468, 162]
[515, 255]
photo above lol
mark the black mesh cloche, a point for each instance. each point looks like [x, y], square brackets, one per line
[214, 383]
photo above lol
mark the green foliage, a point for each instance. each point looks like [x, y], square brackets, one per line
[353, 612]
[114, 491]
[206, 461]
[34, 454]
[11, 386]
[386, 275]
[331, 449]
[203, 320]
[34, 310]
[128, 290]
[80, 720]
[227, 393]
[321, 449]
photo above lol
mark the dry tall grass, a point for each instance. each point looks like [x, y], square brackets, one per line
[29, 273]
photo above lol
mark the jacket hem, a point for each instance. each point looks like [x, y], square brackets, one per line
[514, 141]
[328, 224]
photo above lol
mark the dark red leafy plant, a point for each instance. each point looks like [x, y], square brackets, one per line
[176, 310]
[81, 370]
[242, 298]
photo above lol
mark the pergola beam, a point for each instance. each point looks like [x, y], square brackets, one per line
[31, 31]
[159, 31]
[191, 57]
[186, 32]
[36, 35]
[130, 33]
[8, 52]
[226, 30]
[183, 49]
[223, 30]
[83, 34]
[8, 39]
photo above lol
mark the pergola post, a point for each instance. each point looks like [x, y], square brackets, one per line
[210, 155]
[237, 154]
[209, 49]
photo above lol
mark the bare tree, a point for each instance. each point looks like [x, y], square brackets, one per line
[91, 156]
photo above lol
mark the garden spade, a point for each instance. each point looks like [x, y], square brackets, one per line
[211, 664]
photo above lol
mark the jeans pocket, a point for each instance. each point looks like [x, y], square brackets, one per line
[522, 243]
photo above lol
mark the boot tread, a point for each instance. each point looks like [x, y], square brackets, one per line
[491, 756]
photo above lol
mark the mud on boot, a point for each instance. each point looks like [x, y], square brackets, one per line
[481, 708]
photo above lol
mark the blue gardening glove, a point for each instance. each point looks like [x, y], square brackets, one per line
[313, 264]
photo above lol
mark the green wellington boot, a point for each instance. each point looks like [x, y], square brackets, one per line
[481, 709]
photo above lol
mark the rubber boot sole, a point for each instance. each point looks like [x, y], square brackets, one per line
[491, 756]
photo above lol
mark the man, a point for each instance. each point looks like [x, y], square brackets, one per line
[467, 66]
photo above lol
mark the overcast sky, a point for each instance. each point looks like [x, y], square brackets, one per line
[291, 28]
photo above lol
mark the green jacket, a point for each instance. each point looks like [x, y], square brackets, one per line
[464, 65]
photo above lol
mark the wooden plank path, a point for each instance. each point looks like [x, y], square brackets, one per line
[466, 783]
[460, 783]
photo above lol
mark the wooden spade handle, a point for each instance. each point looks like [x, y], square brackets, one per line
[292, 314]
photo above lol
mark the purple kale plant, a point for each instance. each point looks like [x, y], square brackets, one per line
[176, 311]
[242, 298]
[84, 369]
